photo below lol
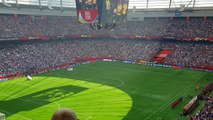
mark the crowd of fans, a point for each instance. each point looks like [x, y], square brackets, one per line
[189, 54]
[45, 54]
[31, 26]
[19, 56]
[206, 113]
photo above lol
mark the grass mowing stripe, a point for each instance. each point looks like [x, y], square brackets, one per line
[98, 96]
[16, 115]
[8, 85]
[167, 103]
[103, 90]
[39, 85]
[15, 93]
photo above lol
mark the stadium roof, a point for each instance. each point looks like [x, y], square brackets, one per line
[133, 4]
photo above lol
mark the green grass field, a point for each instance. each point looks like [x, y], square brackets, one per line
[102, 91]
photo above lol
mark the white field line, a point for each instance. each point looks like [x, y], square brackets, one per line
[29, 86]
[58, 105]
[166, 104]
[26, 118]
[121, 83]
[88, 118]
[82, 82]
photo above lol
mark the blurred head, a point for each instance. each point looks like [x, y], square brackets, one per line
[89, 1]
[64, 114]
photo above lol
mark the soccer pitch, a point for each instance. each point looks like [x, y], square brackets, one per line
[102, 91]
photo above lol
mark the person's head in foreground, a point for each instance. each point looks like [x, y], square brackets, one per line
[64, 114]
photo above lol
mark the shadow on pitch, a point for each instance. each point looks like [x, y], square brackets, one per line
[38, 99]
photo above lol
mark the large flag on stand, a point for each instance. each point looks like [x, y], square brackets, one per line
[106, 13]
[87, 11]
[114, 11]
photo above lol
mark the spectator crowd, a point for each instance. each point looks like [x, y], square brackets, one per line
[206, 113]
[189, 54]
[19, 56]
[31, 26]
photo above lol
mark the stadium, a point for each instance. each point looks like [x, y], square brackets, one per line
[106, 59]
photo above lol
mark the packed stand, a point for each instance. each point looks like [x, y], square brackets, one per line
[189, 54]
[206, 113]
[31, 26]
[20, 56]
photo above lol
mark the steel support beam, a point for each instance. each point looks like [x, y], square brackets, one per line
[147, 5]
[61, 2]
[39, 2]
[170, 3]
[194, 3]
[17, 5]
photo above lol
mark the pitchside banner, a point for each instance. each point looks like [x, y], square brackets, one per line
[87, 11]
[114, 11]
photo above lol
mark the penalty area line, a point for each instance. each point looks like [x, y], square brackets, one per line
[26, 118]
[88, 116]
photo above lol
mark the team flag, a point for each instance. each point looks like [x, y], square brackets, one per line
[114, 11]
[100, 13]
[87, 11]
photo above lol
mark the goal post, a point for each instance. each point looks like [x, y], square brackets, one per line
[2, 116]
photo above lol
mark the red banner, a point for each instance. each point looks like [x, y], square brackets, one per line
[176, 67]
[10, 76]
[209, 39]
[161, 55]
[92, 59]
[87, 11]
[164, 53]
[87, 16]
[210, 68]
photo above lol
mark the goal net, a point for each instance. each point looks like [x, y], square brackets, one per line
[2, 116]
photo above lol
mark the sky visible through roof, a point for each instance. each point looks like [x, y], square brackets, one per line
[138, 4]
